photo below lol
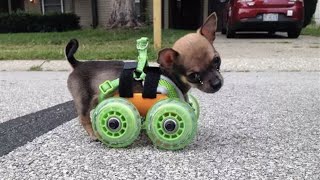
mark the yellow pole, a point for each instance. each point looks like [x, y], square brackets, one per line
[157, 24]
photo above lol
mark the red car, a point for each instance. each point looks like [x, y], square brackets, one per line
[263, 15]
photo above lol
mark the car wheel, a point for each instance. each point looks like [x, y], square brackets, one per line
[230, 33]
[294, 33]
[223, 31]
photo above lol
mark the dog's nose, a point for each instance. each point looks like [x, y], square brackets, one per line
[216, 84]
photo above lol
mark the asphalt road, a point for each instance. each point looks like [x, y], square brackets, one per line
[25, 92]
[261, 125]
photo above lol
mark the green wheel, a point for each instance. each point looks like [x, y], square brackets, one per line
[116, 122]
[194, 104]
[171, 124]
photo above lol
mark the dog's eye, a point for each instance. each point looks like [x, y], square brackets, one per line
[194, 78]
[216, 62]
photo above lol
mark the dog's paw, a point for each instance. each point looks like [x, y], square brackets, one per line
[93, 138]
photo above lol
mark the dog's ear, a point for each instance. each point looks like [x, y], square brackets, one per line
[209, 28]
[166, 57]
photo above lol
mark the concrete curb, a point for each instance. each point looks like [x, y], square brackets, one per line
[29, 65]
[228, 64]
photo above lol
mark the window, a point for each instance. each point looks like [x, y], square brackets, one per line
[52, 6]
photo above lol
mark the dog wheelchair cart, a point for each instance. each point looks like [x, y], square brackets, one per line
[168, 117]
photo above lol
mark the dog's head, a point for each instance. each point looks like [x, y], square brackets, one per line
[193, 61]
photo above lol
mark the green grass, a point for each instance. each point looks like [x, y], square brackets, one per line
[94, 44]
[312, 30]
[35, 68]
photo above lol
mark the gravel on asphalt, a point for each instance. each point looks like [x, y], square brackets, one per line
[26, 92]
[261, 125]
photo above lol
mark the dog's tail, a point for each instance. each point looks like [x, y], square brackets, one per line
[70, 50]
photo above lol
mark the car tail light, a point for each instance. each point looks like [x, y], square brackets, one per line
[245, 0]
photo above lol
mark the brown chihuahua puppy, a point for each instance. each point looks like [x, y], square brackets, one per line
[191, 62]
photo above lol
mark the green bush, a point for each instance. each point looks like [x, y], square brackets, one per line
[25, 22]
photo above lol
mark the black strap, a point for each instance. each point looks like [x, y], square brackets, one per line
[151, 82]
[126, 80]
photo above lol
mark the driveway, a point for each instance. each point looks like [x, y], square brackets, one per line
[250, 52]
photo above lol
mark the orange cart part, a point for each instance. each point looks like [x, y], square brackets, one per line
[144, 104]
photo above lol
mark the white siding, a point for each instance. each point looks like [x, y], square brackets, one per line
[83, 9]
[104, 12]
[165, 7]
[317, 14]
[205, 10]
[68, 6]
[149, 16]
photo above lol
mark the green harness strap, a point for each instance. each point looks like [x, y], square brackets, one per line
[171, 89]
[108, 88]
[142, 47]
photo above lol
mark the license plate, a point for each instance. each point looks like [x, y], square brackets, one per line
[270, 17]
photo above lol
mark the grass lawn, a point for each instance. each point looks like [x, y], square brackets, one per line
[312, 30]
[94, 44]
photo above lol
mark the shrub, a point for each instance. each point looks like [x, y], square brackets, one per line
[25, 22]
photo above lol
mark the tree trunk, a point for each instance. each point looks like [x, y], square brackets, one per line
[123, 14]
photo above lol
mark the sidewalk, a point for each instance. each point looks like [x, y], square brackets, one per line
[27, 65]
[228, 64]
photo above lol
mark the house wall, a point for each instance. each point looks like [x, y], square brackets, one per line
[149, 10]
[34, 7]
[80, 7]
[317, 14]
[83, 9]
[205, 9]
[165, 12]
[104, 12]
[68, 6]
[165, 6]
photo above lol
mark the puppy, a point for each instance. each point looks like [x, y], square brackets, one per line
[191, 62]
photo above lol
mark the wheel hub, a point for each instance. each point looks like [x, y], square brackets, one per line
[113, 124]
[170, 126]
